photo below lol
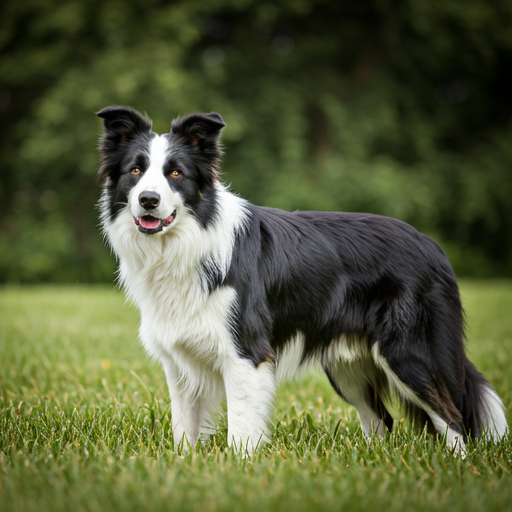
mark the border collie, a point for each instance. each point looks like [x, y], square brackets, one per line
[234, 297]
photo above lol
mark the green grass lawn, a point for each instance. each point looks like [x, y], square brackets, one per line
[85, 425]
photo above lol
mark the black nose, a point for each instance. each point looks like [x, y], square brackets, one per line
[149, 200]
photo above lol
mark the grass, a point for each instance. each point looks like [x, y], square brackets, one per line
[85, 425]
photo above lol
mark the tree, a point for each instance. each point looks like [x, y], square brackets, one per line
[397, 107]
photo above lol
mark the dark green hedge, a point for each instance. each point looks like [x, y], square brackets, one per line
[396, 107]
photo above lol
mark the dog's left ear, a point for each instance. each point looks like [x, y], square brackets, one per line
[198, 128]
[201, 132]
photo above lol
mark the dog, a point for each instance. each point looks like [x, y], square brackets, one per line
[234, 297]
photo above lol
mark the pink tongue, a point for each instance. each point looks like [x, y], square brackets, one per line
[149, 222]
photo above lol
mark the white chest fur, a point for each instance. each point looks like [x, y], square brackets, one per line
[184, 320]
[162, 275]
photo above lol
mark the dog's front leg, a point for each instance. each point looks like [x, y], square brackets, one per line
[185, 421]
[250, 394]
[185, 409]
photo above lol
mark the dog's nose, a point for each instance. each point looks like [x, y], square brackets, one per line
[149, 200]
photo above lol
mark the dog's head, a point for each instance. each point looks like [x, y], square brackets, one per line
[158, 178]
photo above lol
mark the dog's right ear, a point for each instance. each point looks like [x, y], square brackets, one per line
[120, 125]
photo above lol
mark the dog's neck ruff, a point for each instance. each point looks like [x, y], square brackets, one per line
[177, 254]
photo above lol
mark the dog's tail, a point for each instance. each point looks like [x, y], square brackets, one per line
[483, 412]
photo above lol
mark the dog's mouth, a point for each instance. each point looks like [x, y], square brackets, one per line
[150, 225]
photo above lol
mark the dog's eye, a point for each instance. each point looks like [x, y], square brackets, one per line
[175, 174]
[135, 170]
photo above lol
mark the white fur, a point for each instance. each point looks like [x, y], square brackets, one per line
[192, 415]
[454, 440]
[352, 377]
[250, 398]
[342, 350]
[289, 363]
[182, 325]
[153, 180]
[495, 422]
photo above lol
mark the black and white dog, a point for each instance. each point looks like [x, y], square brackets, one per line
[235, 297]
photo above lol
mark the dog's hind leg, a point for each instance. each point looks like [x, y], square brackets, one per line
[417, 384]
[360, 384]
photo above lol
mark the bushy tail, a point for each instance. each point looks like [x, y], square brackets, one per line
[482, 411]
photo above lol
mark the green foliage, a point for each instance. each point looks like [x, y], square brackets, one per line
[85, 425]
[399, 108]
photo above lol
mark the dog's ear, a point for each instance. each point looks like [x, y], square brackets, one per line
[120, 125]
[201, 132]
[196, 128]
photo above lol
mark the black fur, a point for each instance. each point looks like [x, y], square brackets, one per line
[372, 279]
[196, 153]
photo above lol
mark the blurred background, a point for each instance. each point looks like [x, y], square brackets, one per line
[395, 107]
